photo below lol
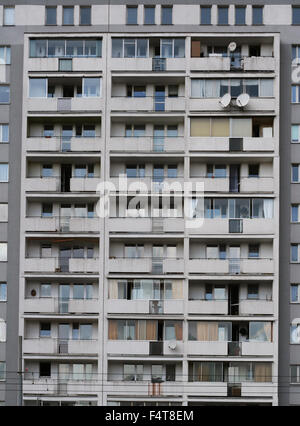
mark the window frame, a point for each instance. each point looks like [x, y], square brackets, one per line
[5, 8]
[261, 8]
[162, 17]
[46, 16]
[132, 8]
[81, 8]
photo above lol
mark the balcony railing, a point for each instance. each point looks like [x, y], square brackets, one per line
[76, 224]
[153, 144]
[245, 184]
[157, 103]
[62, 265]
[63, 144]
[60, 346]
[234, 266]
[148, 265]
[61, 305]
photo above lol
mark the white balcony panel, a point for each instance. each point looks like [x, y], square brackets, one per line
[84, 224]
[83, 347]
[145, 64]
[259, 144]
[130, 266]
[177, 345]
[255, 104]
[173, 306]
[42, 184]
[78, 64]
[39, 224]
[259, 64]
[41, 305]
[121, 306]
[207, 266]
[214, 63]
[40, 386]
[146, 144]
[258, 226]
[256, 185]
[220, 144]
[173, 266]
[130, 225]
[217, 266]
[76, 104]
[133, 347]
[211, 307]
[212, 389]
[256, 307]
[257, 266]
[41, 265]
[84, 265]
[145, 388]
[250, 389]
[43, 144]
[84, 184]
[257, 348]
[207, 348]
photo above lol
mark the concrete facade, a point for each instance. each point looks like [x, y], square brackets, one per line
[147, 311]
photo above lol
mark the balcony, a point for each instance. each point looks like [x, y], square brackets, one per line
[148, 183]
[208, 104]
[139, 347]
[146, 225]
[211, 307]
[257, 266]
[148, 104]
[148, 64]
[84, 184]
[78, 64]
[43, 184]
[59, 387]
[245, 307]
[48, 346]
[256, 307]
[211, 63]
[145, 389]
[55, 305]
[166, 307]
[84, 104]
[243, 226]
[53, 265]
[62, 224]
[64, 145]
[146, 266]
[147, 144]
[237, 349]
[259, 63]
[207, 348]
[220, 144]
[263, 184]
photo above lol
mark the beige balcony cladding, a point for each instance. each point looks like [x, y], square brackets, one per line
[147, 104]
[223, 267]
[64, 104]
[267, 64]
[137, 347]
[146, 144]
[52, 265]
[115, 306]
[221, 144]
[52, 387]
[52, 305]
[139, 225]
[249, 227]
[145, 265]
[51, 346]
[145, 64]
[255, 104]
[78, 64]
[56, 224]
[54, 144]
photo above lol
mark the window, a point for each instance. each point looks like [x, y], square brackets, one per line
[4, 94]
[295, 94]
[47, 170]
[253, 170]
[45, 329]
[295, 334]
[78, 291]
[215, 88]
[295, 374]
[2, 370]
[9, 16]
[2, 330]
[45, 369]
[295, 213]
[3, 252]
[38, 87]
[68, 15]
[222, 15]
[257, 15]
[253, 291]
[4, 133]
[50, 15]
[3, 212]
[295, 133]
[295, 173]
[295, 293]
[5, 55]
[296, 15]
[47, 210]
[91, 87]
[75, 47]
[131, 15]
[3, 292]
[4, 173]
[166, 15]
[46, 290]
[240, 15]
[253, 251]
[132, 373]
[136, 91]
[149, 15]
[85, 15]
[260, 331]
[64, 65]
[205, 15]
[130, 48]
[294, 252]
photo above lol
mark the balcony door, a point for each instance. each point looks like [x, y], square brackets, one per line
[158, 138]
[234, 178]
[234, 259]
[67, 133]
[66, 174]
[64, 298]
[159, 98]
[65, 254]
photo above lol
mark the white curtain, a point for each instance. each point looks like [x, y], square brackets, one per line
[268, 208]
[198, 88]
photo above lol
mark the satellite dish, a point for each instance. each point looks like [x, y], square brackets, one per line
[243, 100]
[232, 46]
[225, 101]
[172, 345]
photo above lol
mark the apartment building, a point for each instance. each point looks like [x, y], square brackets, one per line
[181, 298]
